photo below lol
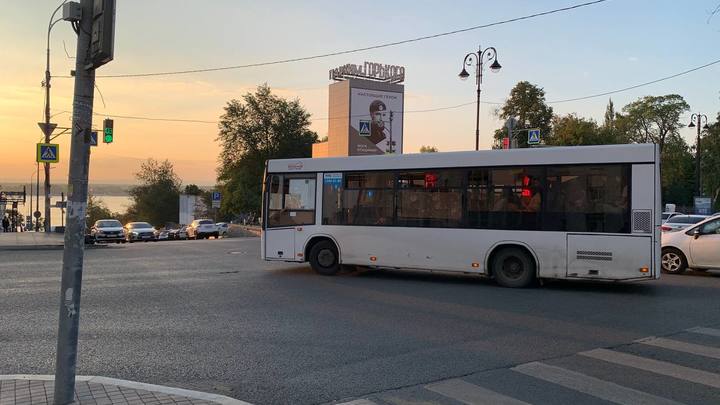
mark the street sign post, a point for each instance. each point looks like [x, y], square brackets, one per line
[48, 153]
[533, 136]
[216, 198]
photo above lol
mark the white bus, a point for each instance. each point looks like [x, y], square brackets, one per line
[588, 212]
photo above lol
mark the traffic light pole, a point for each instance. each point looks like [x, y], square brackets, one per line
[73, 255]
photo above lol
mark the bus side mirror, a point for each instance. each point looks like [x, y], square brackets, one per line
[696, 233]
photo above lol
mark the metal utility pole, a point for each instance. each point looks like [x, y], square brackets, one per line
[95, 25]
[69, 319]
[700, 127]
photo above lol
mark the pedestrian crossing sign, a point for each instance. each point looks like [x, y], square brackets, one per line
[48, 153]
[364, 128]
[533, 136]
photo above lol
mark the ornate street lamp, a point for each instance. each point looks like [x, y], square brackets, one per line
[478, 59]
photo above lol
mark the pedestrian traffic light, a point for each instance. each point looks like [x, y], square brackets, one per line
[108, 130]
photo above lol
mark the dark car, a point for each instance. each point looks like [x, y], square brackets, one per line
[139, 231]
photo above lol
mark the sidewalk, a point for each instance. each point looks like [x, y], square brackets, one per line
[91, 390]
[30, 240]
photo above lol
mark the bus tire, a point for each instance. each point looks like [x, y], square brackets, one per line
[673, 261]
[512, 267]
[324, 258]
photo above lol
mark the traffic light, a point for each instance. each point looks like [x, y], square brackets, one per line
[108, 130]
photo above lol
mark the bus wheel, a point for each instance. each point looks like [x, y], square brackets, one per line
[324, 258]
[513, 267]
[673, 261]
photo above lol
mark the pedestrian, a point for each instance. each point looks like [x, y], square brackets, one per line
[6, 224]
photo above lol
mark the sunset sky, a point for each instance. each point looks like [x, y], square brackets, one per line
[576, 53]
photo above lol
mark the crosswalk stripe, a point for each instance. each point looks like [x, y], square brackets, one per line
[359, 402]
[590, 385]
[656, 366]
[700, 350]
[705, 331]
[472, 394]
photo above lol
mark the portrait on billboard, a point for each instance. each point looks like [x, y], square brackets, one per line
[376, 122]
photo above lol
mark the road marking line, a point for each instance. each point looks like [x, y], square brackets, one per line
[358, 402]
[590, 385]
[472, 394]
[700, 350]
[705, 331]
[656, 366]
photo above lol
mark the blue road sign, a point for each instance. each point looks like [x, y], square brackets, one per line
[216, 196]
[93, 138]
[48, 153]
[533, 136]
[364, 129]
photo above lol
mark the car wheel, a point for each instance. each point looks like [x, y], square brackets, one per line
[673, 261]
[513, 267]
[216, 235]
[324, 258]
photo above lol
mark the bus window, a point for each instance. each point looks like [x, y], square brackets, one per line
[292, 201]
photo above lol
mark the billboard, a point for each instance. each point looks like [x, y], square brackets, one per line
[376, 122]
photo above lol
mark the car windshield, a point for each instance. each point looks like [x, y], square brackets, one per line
[139, 225]
[679, 220]
[205, 222]
[109, 223]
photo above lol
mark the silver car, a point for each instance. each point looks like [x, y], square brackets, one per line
[697, 247]
[107, 230]
[679, 222]
[139, 231]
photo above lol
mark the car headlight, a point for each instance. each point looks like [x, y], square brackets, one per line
[134, 233]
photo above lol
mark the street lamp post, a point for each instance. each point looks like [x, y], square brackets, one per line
[698, 117]
[47, 129]
[488, 54]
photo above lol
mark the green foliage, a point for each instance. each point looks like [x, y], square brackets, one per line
[527, 104]
[428, 149]
[192, 189]
[677, 172]
[654, 118]
[155, 200]
[710, 162]
[259, 127]
[96, 210]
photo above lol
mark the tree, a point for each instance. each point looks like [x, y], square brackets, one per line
[428, 149]
[259, 127]
[527, 104]
[710, 162]
[654, 118]
[156, 199]
[609, 115]
[571, 130]
[192, 189]
[677, 171]
[96, 210]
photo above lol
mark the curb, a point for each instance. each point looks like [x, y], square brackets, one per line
[220, 399]
[20, 248]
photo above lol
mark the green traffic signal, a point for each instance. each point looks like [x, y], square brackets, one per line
[108, 130]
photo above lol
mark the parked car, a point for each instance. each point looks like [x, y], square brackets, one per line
[697, 247]
[679, 222]
[223, 228]
[162, 234]
[178, 233]
[139, 231]
[202, 228]
[107, 230]
[668, 215]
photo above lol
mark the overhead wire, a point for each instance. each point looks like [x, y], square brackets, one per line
[453, 106]
[355, 50]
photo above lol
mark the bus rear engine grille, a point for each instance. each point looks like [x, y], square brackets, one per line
[593, 255]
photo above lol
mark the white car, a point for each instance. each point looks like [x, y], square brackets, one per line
[697, 247]
[202, 228]
[682, 221]
[222, 228]
[668, 215]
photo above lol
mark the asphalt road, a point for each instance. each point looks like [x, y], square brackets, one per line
[209, 315]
